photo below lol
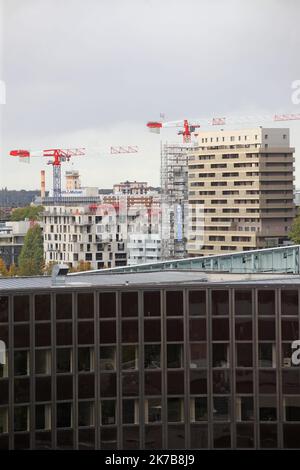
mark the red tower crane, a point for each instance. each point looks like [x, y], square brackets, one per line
[58, 156]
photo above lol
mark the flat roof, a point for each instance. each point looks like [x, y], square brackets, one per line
[147, 279]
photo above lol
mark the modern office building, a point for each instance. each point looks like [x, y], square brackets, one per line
[172, 360]
[243, 180]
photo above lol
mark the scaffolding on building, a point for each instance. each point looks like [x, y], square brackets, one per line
[174, 198]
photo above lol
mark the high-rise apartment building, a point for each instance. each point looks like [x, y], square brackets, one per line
[243, 180]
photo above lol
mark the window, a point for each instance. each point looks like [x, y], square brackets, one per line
[3, 309]
[289, 302]
[175, 410]
[43, 417]
[266, 355]
[107, 304]
[21, 418]
[243, 302]
[129, 304]
[108, 412]
[153, 410]
[152, 304]
[129, 357]
[220, 355]
[64, 415]
[266, 302]
[220, 302]
[63, 360]
[244, 409]
[42, 307]
[221, 408]
[291, 408]
[107, 358]
[64, 306]
[85, 413]
[199, 409]
[43, 361]
[85, 304]
[152, 356]
[244, 355]
[197, 303]
[21, 363]
[3, 420]
[130, 411]
[174, 303]
[198, 355]
[85, 360]
[174, 355]
[21, 308]
[267, 408]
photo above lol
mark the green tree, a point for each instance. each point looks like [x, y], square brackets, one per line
[3, 268]
[294, 233]
[31, 259]
[28, 212]
[13, 270]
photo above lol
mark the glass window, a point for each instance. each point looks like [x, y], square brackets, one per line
[85, 413]
[21, 336]
[220, 355]
[266, 355]
[130, 306]
[21, 418]
[108, 385]
[85, 332]
[244, 409]
[85, 360]
[42, 307]
[21, 363]
[63, 360]
[291, 436]
[197, 329]
[43, 334]
[266, 330]
[198, 381]
[107, 358]
[221, 381]
[152, 304]
[174, 330]
[243, 302]
[199, 437]
[64, 333]
[267, 408]
[220, 329]
[107, 332]
[198, 355]
[64, 306]
[108, 412]
[289, 330]
[107, 304]
[153, 410]
[64, 387]
[222, 436]
[174, 356]
[86, 385]
[3, 420]
[43, 388]
[130, 411]
[152, 356]
[153, 437]
[197, 302]
[85, 305]
[289, 302]
[244, 381]
[152, 383]
[199, 409]
[266, 302]
[221, 408]
[174, 303]
[176, 437]
[152, 330]
[3, 309]
[291, 381]
[243, 329]
[267, 381]
[175, 410]
[43, 361]
[130, 384]
[244, 436]
[130, 331]
[268, 436]
[129, 357]
[244, 355]
[291, 408]
[86, 439]
[43, 417]
[4, 367]
[64, 415]
[175, 381]
[21, 308]
[220, 302]
[131, 438]
[108, 438]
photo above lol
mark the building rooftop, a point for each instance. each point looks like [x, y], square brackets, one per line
[147, 279]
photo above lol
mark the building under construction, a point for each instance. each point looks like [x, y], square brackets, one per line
[174, 197]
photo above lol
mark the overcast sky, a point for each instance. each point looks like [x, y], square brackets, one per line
[91, 73]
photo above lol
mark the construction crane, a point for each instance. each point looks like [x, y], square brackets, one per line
[58, 156]
[188, 127]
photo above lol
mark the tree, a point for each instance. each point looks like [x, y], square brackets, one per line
[3, 268]
[28, 212]
[31, 259]
[294, 233]
[13, 270]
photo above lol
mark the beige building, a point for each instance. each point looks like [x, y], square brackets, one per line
[243, 180]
